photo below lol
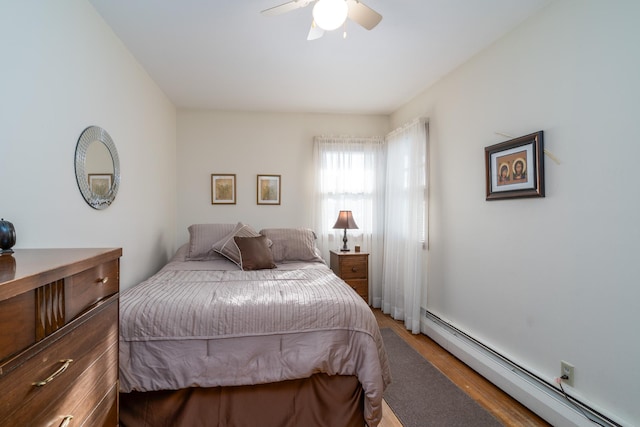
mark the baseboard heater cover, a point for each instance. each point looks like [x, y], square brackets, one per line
[536, 394]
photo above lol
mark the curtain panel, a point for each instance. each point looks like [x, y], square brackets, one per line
[349, 175]
[405, 228]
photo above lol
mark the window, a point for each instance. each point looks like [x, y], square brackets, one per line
[350, 175]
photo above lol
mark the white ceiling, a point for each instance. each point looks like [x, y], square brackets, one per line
[223, 54]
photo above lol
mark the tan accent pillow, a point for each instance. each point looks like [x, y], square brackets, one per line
[254, 253]
[227, 246]
[292, 244]
[201, 239]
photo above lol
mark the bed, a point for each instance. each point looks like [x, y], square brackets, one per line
[243, 328]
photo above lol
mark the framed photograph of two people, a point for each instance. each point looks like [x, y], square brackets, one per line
[515, 168]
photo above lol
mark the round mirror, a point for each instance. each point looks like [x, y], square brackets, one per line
[97, 167]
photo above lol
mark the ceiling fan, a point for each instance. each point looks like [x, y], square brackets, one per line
[329, 15]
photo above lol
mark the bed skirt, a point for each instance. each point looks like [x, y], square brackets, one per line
[320, 400]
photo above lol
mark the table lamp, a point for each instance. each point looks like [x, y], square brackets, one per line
[346, 221]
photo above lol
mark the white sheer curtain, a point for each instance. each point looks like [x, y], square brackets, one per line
[349, 175]
[405, 223]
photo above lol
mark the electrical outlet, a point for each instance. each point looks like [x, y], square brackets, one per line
[566, 371]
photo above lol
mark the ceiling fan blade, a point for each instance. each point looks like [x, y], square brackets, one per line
[363, 14]
[286, 7]
[315, 32]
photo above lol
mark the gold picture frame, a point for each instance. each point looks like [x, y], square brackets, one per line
[268, 189]
[223, 189]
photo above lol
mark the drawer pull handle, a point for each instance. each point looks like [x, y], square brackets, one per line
[354, 270]
[66, 421]
[61, 369]
[103, 281]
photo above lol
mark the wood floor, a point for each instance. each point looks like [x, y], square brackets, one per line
[494, 400]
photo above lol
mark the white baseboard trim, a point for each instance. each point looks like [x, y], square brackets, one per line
[540, 397]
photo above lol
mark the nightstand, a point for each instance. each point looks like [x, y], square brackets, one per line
[353, 268]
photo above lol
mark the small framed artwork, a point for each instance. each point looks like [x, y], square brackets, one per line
[268, 189]
[100, 183]
[223, 189]
[515, 168]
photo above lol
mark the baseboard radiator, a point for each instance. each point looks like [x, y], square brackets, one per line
[533, 392]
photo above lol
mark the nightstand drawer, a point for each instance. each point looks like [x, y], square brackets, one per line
[354, 267]
[361, 286]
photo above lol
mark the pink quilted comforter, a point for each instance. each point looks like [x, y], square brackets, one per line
[208, 324]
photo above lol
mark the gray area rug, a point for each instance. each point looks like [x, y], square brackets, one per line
[422, 396]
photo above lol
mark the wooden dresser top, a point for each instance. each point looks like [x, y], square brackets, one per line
[28, 269]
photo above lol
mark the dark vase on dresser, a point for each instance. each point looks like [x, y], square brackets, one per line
[7, 237]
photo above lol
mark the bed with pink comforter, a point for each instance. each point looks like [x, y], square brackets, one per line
[207, 323]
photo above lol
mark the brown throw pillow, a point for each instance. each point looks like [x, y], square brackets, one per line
[254, 253]
[227, 247]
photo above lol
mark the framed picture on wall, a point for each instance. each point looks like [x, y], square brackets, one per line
[100, 183]
[268, 189]
[223, 189]
[515, 168]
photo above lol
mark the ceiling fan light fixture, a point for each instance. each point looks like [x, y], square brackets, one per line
[330, 14]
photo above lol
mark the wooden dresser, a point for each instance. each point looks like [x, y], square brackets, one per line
[59, 337]
[353, 268]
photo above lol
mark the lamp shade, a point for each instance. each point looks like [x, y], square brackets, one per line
[345, 220]
[330, 14]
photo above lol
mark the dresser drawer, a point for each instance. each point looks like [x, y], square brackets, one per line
[88, 338]
[92, 399]
[106, 413]
[90, 286]
[17, 314]
[354, 267]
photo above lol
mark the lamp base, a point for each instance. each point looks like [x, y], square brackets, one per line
[344, 241]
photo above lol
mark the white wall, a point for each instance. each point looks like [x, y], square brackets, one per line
[62, 70]
[544, 280]
[248, 144]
